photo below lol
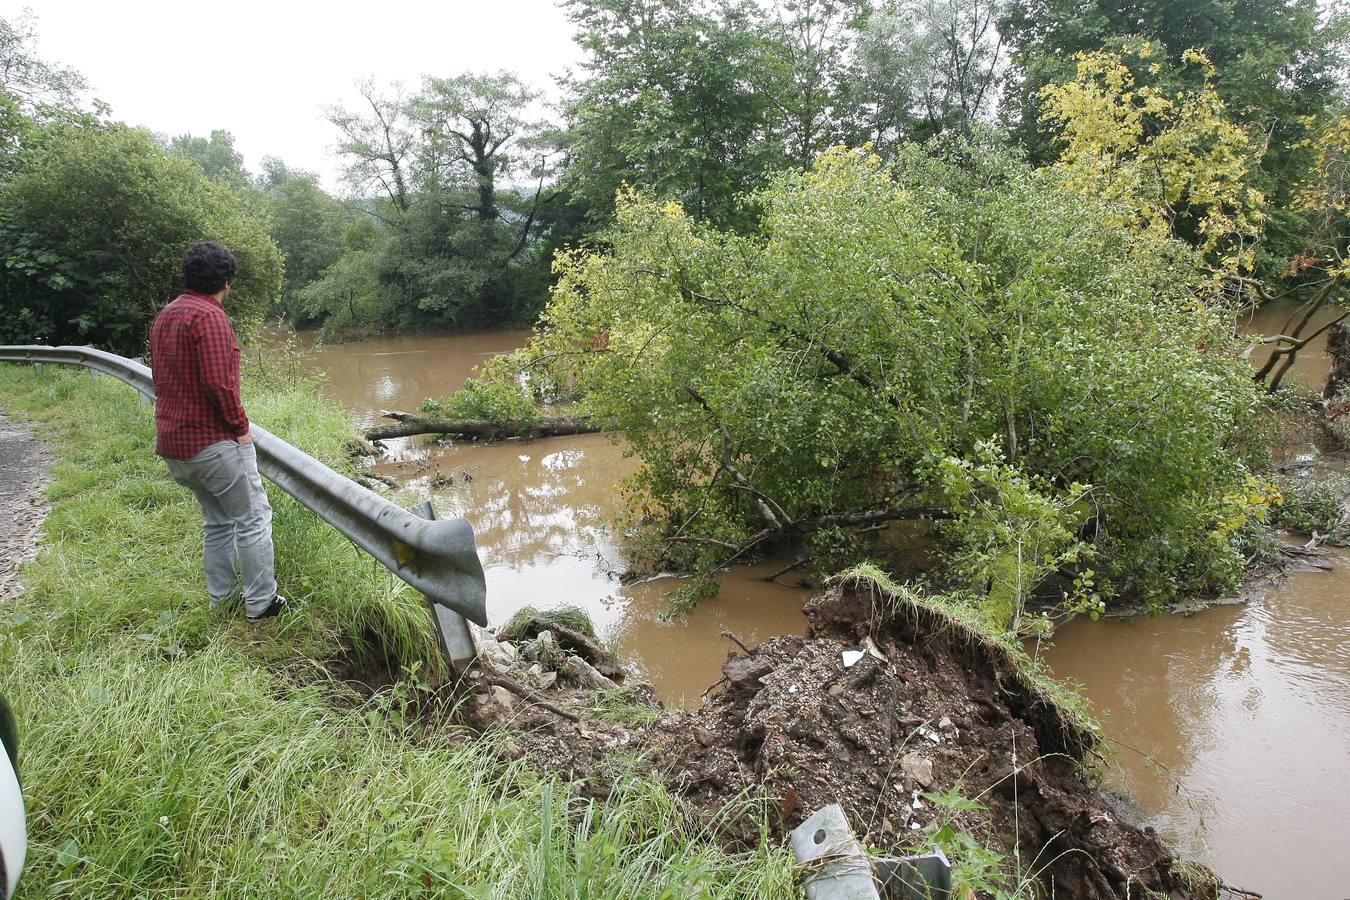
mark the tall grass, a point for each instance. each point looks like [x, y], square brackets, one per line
[168, 751]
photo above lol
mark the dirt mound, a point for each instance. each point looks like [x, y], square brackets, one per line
[884, 705]
[885, 702]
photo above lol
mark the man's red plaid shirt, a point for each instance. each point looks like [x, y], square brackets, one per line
[194, 357]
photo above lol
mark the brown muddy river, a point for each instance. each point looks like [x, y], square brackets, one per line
[1231, 727]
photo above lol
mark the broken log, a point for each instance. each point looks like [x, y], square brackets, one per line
[409, 424]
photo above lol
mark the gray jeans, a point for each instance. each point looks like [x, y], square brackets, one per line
[237, 548]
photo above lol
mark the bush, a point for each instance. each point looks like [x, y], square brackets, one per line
[882, 320]
[490, 399]
[93, 229]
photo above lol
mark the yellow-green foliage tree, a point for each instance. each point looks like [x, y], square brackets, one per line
[1325, 197]
[1173, 161]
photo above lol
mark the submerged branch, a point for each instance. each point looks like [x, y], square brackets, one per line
[411, 423]
[1293, 340]
[801, 527]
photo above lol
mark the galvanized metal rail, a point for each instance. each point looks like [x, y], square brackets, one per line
[436, 556]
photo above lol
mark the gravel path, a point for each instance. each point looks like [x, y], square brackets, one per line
[23, 478]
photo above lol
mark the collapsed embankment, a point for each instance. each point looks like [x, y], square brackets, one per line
[892, 707]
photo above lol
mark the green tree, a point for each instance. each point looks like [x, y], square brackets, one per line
[377, 141]
[803, 60]
[34, 92]
[1179, 166]
[484, 155]
[307, 226]
[955, 338]
[215, 156]
[1275, 63]
[348, 297]
[1173, 160]
[92, 231]
[444, 173]
[696, 102]
[1274, 59]
[29, 80]
[929, 66]
[475, 130]
[668, 99]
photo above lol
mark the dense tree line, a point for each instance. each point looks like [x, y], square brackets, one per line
[459, 192]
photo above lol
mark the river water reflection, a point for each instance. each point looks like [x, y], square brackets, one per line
[1233, 729]
[1244, 711]
[541, 513]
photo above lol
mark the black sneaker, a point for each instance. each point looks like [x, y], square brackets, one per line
[273, 609]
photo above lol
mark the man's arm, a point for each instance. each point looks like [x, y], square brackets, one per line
[219, 364]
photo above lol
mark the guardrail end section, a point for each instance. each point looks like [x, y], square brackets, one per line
[459, 644]
[454, 569]
[832, 861]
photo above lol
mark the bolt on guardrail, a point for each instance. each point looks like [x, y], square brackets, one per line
[436, 556]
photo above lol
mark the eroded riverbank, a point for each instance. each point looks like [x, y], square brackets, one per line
[926, 731]
[1188, 691]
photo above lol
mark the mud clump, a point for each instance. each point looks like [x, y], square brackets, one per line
[883, 705]
[884, 702]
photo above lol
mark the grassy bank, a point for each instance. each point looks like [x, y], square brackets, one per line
[172, 752]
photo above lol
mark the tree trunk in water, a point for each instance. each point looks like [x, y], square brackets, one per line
[1336, 391]
[1338, 347]
[549, 426]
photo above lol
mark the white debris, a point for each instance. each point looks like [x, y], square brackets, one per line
[851, 658]
[871, 648]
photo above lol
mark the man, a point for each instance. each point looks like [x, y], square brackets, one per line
[202, 432]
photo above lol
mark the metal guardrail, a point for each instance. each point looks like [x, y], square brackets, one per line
[436, 556]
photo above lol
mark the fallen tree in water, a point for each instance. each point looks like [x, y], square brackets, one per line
[950, 340]
[409, 424]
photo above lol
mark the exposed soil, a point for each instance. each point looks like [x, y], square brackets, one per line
[23, 477]
[942, 710]
[928, 707]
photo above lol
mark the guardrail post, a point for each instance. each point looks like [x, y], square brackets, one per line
[459, 644]
[140, 361]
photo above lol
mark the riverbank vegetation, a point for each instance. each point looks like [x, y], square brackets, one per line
[852, 277]
[952, 339]
[171, 750]
[1020, 330]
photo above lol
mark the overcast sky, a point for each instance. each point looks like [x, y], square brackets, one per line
[265, 71]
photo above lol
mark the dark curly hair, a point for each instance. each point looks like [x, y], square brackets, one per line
[206, 267]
